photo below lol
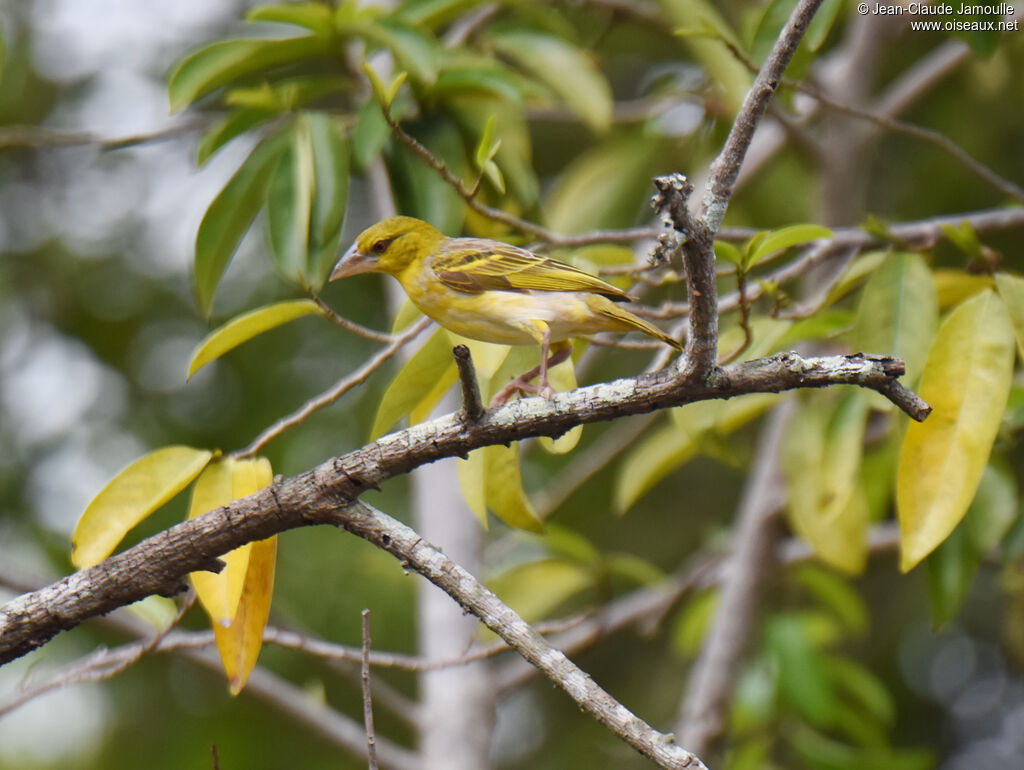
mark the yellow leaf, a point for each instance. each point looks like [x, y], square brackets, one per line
[954, 286]
[562, 379]
[1011, 289]
[821, 456]
[239, 644]
[407, 314]
[131, 496]
[470, 473]
[245, 327]
[221, 483]
[537, 588]
[653, 458]
[503, 488]
[967, 380]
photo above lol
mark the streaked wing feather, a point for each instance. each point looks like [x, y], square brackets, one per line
[475, 265]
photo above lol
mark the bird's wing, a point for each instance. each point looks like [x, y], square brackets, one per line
[475, 265]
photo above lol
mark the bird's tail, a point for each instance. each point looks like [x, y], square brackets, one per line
[632, 322]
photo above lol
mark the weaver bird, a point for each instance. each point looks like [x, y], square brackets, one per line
[494, 292]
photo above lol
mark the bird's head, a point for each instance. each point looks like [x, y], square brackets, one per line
[389, 246]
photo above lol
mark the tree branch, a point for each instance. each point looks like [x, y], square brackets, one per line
[158, 565]
[403, 543]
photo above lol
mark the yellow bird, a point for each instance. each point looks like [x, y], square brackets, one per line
[494, 292]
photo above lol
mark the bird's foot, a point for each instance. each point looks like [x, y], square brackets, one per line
[521, 384]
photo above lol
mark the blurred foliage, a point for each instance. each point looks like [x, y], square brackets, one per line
[558, 112]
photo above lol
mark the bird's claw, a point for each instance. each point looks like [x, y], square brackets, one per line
[521, 385]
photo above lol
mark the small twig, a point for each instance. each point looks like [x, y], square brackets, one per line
[371, 742]
[39, 137]
[472, 404]
[467, 194]
[352, 326]
[930, 135]
[884, 119]
[332, 395]
[396, 538]
[102, 665]
[726, 166]
[741, 286]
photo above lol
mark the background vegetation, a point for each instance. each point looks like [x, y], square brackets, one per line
[122, 250]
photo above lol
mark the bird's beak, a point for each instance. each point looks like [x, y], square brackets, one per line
[352, 262]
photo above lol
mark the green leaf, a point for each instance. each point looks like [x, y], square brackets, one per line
[514, 156]
[803, 678]
[693, 624]
[784, 238]
[244, 327]
[414, 50]
[730, 76]
[633, 568]
[950, 570]
[749, 753]
[131, 496]
[537, 588]
[898, 312]
[834, 593]
[570, 543]
[492, 81]
[369, 135]
[994, 508]
[952, 566]
[564, 68]
[861, 268]
[433, 13]
[493, 175]
[290, 203]
[419, 190]
[314, 16]
[822, 23]
[238, 122]
[230, 215]
[485, 148]
[964, 238]
[966, 380]
[864, 686]
[604, 186]
[1011, 289]
[820, 458]
[418, 375]
[380, 91]
[654, 457]
[225, 61]
[330, 195]
[727, 251]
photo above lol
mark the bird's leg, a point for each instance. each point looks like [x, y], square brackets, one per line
[562, 350]
[521, 384]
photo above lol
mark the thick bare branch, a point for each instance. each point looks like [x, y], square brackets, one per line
[403, 542]
[158, 564]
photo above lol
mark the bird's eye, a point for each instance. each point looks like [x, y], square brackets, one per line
[379, 247]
